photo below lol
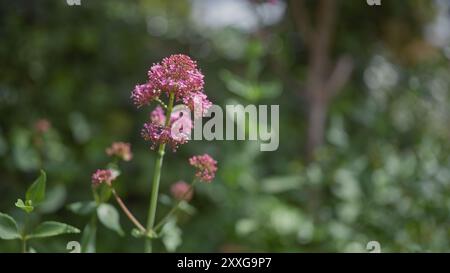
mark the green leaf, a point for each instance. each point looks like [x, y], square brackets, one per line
[82, 208]
[24, 206]
[171, 235]
[186, 207]
[8, 227]
[52, 228]
[109, 217]
[88, 239]
[55, 198]
[36, 192]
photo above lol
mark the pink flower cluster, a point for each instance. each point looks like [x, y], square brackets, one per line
[182, 191]
[198, 103]
[178, 74]
[102, 176]
[175, 133]
[121, 150]
[143, 94]
[206, 167]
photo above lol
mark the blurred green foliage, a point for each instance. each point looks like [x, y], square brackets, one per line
[383, 174]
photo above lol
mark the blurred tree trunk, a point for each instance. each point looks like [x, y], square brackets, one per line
[324, 79]
[317, 113]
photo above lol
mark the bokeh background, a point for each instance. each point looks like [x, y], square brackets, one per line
[364, 119]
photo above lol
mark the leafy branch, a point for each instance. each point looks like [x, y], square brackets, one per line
[9, 229]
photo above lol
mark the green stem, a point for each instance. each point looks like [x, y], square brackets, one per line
[24, 234]
[156, 179]
[96, 196]
[175, 207]
[86, 246]
[24, 245]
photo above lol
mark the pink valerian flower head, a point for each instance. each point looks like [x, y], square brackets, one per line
[175, 134]
[176, 73]
[103, 176]
[42, 125]
[155, 133]
[182, 191]
[206, 167]
[198, 103]
[120, 149]
[155, 130]
[143, 94]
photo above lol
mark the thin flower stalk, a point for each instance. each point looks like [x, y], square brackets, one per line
[157, 178]
[128, 212]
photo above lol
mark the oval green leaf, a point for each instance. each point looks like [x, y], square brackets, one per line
[109, 217]
[36, 192]
[82, 208]
[52, 228]
[88, 238]
[8, 228]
